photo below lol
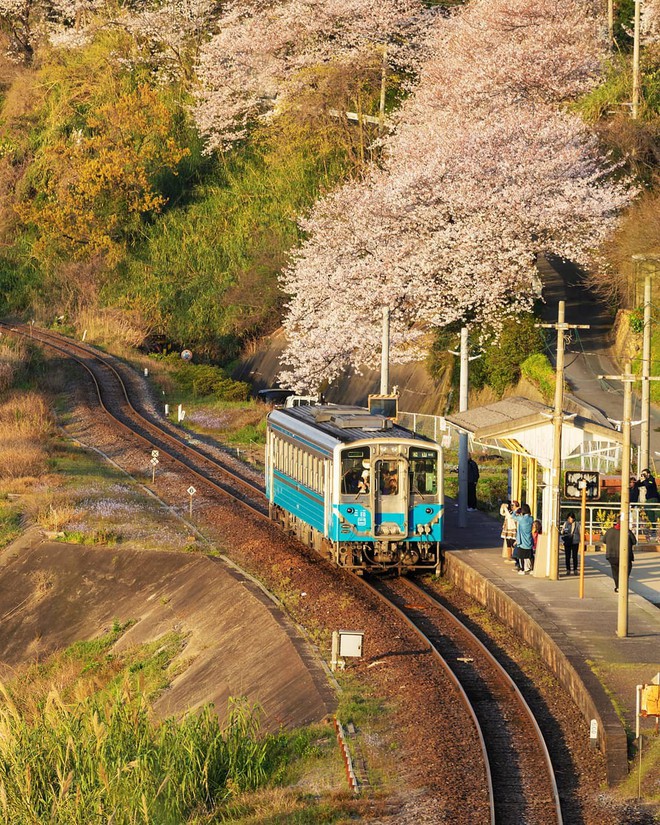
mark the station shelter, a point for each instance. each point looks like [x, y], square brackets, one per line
[523, 429]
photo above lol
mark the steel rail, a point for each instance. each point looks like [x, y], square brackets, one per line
[460, 690]
[65, 347]
[490, 658]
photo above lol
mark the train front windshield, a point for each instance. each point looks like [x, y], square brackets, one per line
[355, 471]
[424, 472]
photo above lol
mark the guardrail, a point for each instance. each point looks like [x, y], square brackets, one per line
[644, 519]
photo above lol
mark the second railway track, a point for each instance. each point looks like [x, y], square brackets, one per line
[522, 780]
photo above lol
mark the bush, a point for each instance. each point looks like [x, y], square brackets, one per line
[636, 320]
[538, 369]
[502, 360]
[204, 380]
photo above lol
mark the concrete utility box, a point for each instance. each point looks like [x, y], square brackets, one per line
[350, 642]
[541, 563]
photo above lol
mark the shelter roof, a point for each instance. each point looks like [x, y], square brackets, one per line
[530, 424]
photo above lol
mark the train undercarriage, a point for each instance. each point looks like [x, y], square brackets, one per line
[364, 556]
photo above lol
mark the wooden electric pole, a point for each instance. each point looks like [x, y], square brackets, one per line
[557, 420]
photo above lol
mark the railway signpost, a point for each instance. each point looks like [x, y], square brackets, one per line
[191, 493]
[154, 463]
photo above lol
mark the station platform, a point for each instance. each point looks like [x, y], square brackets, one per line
[577, 637]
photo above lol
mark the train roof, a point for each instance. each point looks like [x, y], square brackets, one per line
[343, 424]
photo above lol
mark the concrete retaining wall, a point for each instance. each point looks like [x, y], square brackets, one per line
[560, 655]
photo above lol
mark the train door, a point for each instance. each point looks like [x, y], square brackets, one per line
[391, 497]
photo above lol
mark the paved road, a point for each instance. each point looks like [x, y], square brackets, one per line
[587, 353]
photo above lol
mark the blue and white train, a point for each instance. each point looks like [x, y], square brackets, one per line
[355, 486]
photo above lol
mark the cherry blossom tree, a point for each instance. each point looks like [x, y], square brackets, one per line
[173, 32]
[18, 19]
[483, 172]
[264, 52]
[650, 21]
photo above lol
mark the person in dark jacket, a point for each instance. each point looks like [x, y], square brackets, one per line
[634, 490]
[647, 483]
[472, 478]
[570, 536]
[611, 540]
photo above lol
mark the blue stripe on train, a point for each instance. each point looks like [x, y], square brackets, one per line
[299, 500]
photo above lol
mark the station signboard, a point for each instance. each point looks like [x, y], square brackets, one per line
[577, 480]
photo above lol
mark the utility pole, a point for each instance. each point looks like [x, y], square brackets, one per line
[462, 437]
[557, 420]
[645, 433]
[385, 354]
[624, 548]
[610, 21]
[635, 65]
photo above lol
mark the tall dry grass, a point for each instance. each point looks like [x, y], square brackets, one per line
[25, 425]
[13, 354]
[112, 327]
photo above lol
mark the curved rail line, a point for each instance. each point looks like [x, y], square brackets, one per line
[521, 778]
[156, 436]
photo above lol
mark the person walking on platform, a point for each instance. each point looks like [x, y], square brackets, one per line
[570, 536]
[472, 478]
[611, 540]
[524, 550]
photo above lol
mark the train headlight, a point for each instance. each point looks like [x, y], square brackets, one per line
[429, 510]
[350, 510]
[420, 529]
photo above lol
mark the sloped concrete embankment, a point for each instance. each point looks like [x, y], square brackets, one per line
[238, 641]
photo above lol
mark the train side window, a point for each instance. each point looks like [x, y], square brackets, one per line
[424, 472]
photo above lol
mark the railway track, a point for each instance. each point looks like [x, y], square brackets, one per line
[521, 787]
[521, 780]
[114, 399]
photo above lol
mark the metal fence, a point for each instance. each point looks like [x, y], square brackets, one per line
[644, 519]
